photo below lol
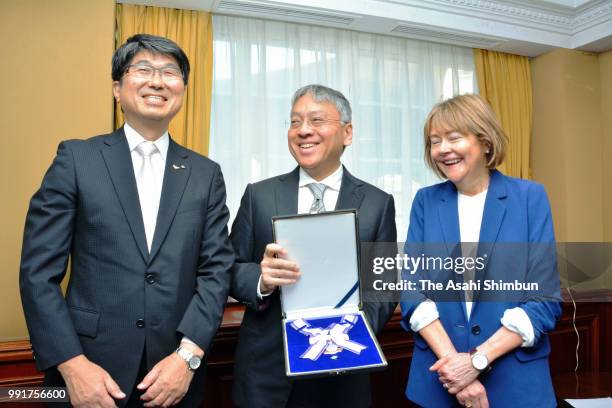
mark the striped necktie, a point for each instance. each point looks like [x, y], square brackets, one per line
[318, 190]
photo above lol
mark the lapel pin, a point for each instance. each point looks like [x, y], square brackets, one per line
[177, 167]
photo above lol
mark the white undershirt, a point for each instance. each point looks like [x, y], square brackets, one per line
[470, 209]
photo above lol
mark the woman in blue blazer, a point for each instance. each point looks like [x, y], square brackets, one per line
[486, 347]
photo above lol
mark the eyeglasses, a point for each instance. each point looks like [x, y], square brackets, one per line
[315, 122]
[145, 71]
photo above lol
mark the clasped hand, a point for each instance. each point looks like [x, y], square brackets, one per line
[455, 371]
[459, 377]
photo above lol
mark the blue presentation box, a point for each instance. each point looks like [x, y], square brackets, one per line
[325, 331]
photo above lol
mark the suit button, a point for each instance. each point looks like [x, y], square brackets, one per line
[140, 323]
[476, 330]
[150, 278]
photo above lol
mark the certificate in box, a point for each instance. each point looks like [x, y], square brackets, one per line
[324, 329]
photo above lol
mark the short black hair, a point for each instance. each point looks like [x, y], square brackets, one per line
[153, 44]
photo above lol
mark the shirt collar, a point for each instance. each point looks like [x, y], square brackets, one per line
[332, 181]
[475, 197]
[134, 139]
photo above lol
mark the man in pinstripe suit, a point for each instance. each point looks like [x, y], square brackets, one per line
[144, 223]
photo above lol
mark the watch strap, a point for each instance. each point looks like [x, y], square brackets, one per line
[187, 356]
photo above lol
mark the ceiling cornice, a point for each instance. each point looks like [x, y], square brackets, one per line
[596, 13]
[526, 27]
[507, 11]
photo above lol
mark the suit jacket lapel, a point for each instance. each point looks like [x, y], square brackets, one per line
[286, 193]
[448, 215]
[350, 192]
[492, 218]
[176, 175]
[116, 154]
[494, 210]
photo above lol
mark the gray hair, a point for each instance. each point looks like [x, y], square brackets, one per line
[322, 93]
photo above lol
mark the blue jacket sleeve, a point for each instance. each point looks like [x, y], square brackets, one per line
[542, 263]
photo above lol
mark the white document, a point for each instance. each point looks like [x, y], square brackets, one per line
[325, 247]
[590, 402]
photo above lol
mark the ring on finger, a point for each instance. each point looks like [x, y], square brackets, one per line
[468, 404]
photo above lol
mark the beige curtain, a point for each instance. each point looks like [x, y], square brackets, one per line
[505, 82]
[192, 31]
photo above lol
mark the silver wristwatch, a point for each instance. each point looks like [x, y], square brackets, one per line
[193, 361]
[479, 361]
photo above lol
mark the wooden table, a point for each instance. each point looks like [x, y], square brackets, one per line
[588, 384]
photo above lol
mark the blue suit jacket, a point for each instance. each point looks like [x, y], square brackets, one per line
[517, 235]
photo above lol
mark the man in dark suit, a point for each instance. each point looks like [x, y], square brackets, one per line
[319, 131]
[143, 221]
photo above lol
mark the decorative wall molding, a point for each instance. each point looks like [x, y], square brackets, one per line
[529, 12]
[592, 16]
[525, 27]
[560, 18]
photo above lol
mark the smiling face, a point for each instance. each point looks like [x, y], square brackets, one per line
[461, 158]
[150, 104]
[318, 148]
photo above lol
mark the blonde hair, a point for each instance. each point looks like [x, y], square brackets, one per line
[467, 114]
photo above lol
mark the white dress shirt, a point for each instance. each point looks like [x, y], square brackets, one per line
[158, 162]
[471, 210]
[330, 197]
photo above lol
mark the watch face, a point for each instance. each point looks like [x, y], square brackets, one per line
[194, 362]
[479, 361]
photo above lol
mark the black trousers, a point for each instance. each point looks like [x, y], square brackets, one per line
[134, 400]
[193, 399]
